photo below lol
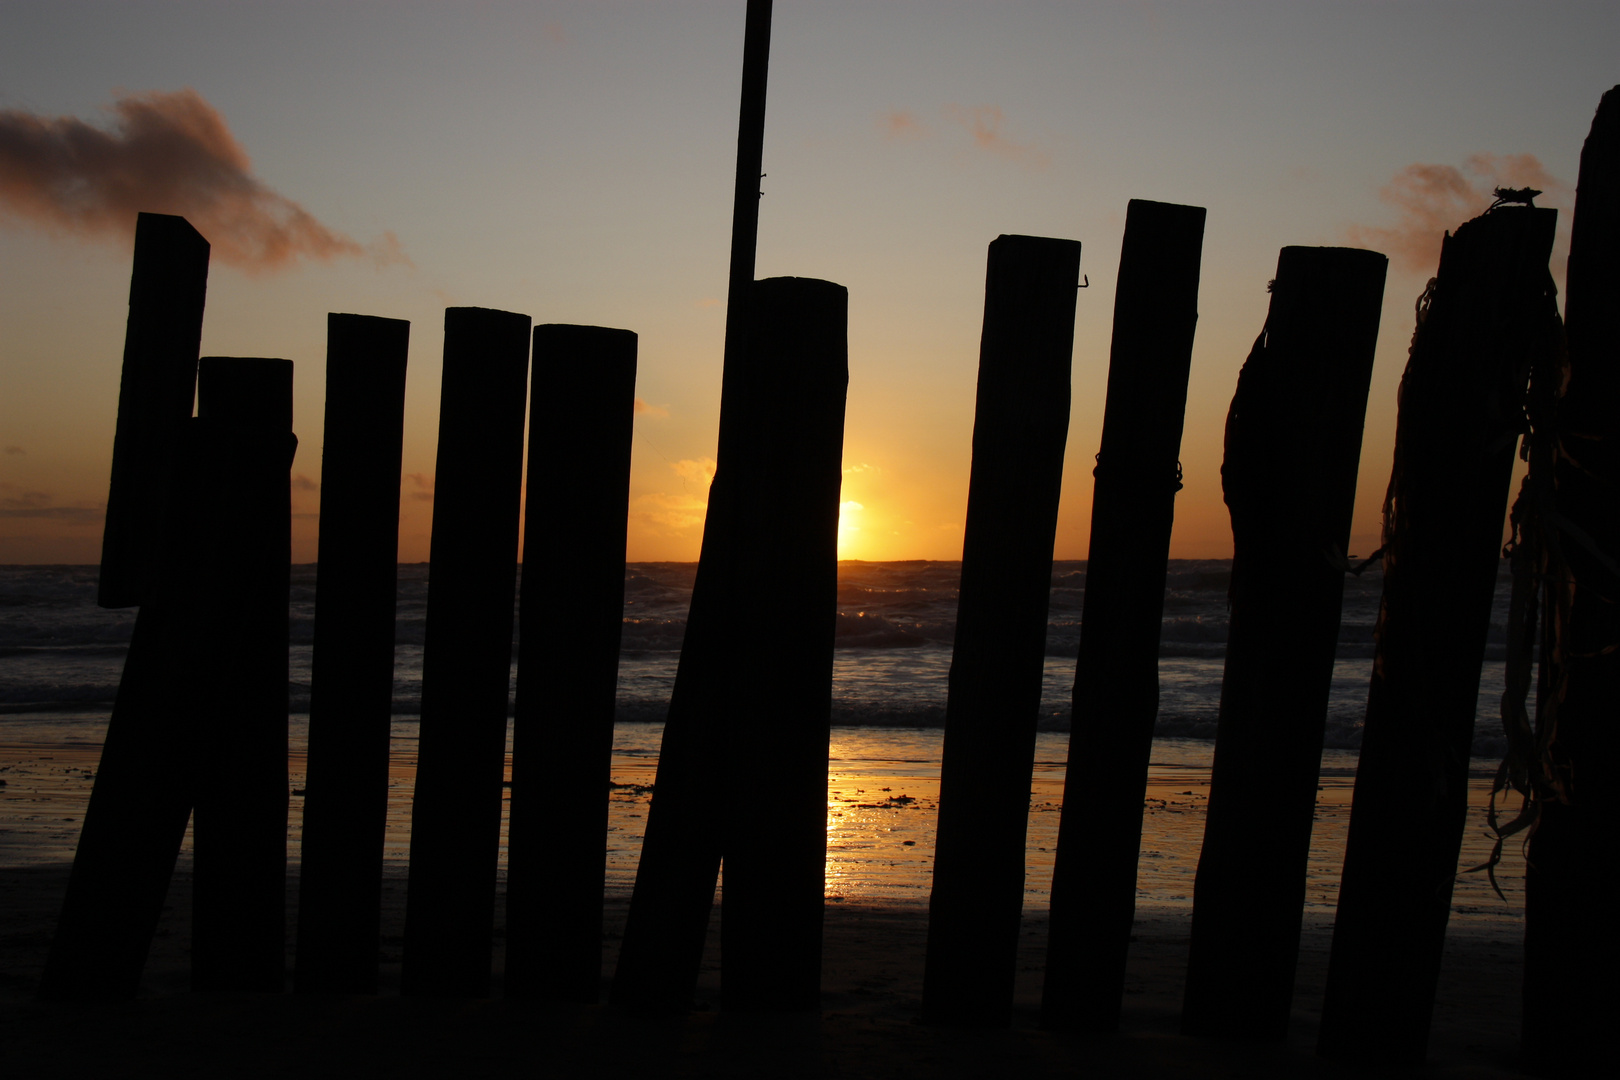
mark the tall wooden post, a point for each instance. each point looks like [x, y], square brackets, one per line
[166, 294]
[1461, 410]
[581, 416]
[1116, 683]
[790, 475]
[239, 454]
[1293, 446]
[352, 677]
[680, 854]
[1572, 947]
[1020, 426]
[467, 655]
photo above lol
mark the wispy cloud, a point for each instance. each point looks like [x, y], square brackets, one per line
[16, 502]
[669, 514]
[423, 484]
[695, 470]
[16, 451]
[169, 153]
[300, 482]
[902, 125]
[644, 409]
[987, 126]
[1431, 200]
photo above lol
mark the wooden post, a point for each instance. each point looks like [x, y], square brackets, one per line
[1571, 943]
[1116, 684]
[467, 655]
[352, 680]
[166, 294]
[240, 451]
[1461, 410]
[1293, 446]
[1020, 426]
[581, 416]
[790, 474]
[680, 854]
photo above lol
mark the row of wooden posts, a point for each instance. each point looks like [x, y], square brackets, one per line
[198, 536]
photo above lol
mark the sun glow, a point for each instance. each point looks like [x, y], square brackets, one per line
[849, 529]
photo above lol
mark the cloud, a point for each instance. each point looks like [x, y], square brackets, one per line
[424, 486]
[669, 514]
[984, 123]
[300, 482]
[17, 450]
[695, 470]
[902, 125]
[38, 504]
[709, 302]
[1434, 199]
[644, 409]
[863, 467]
[167, 153]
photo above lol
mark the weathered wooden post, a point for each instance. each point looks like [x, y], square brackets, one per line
[352, 680]
[1572, 947]
[239, 453]
[581, 415]
[467, 655]
[788, 479]
[680, 854]
[1461, 410]
[141, 801]
[166, 294]
[1020, 426]
[1116, 684]
[1293, 446]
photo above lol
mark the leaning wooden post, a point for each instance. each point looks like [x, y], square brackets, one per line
[1461, 410]
[1116, 685]
[352, 670]
[669, 912]
[159, 382]
[467, 655]
[775, 864]
[581, 415]
[1293, 446]
[1020, 426]
[239, 454]
[1571, 945]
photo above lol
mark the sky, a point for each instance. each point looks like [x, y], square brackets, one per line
[574, 161]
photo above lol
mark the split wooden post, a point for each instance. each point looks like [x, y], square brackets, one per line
[352, 669]
[1293, 447]
[1461, 411]
[1571, 943]
[668, 919]
[1020, 426]
[786, 483]
[467, 656]
[166, 294]
[1116, 685]
[581, 417]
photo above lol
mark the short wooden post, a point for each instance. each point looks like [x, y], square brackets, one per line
[1293, 447]
[239, 453]
[352, 678]
[1020, 426]
[467, 655]
[1572, 947]
[1461, 410]
[787, 484]
[166, 294]
[1116, 684]
[581, 416]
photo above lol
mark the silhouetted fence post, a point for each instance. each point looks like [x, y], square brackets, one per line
[1293, 447]
[788, 480]
[467, 655]
[238, 454]
[352, 669]
[668, 919]
[1461, 410]
[1116, 684]
[1572, 945]
[166, 294]
[581, 417]
[1020, 426]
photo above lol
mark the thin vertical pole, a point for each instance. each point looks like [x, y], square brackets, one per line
[1116, 683]
[1461, 411]
[792, 458]
[1020, 426]
[680, 855]
[240, 451]
[467, 655]
[352, 669]
[581, 418]
[1293, 446]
